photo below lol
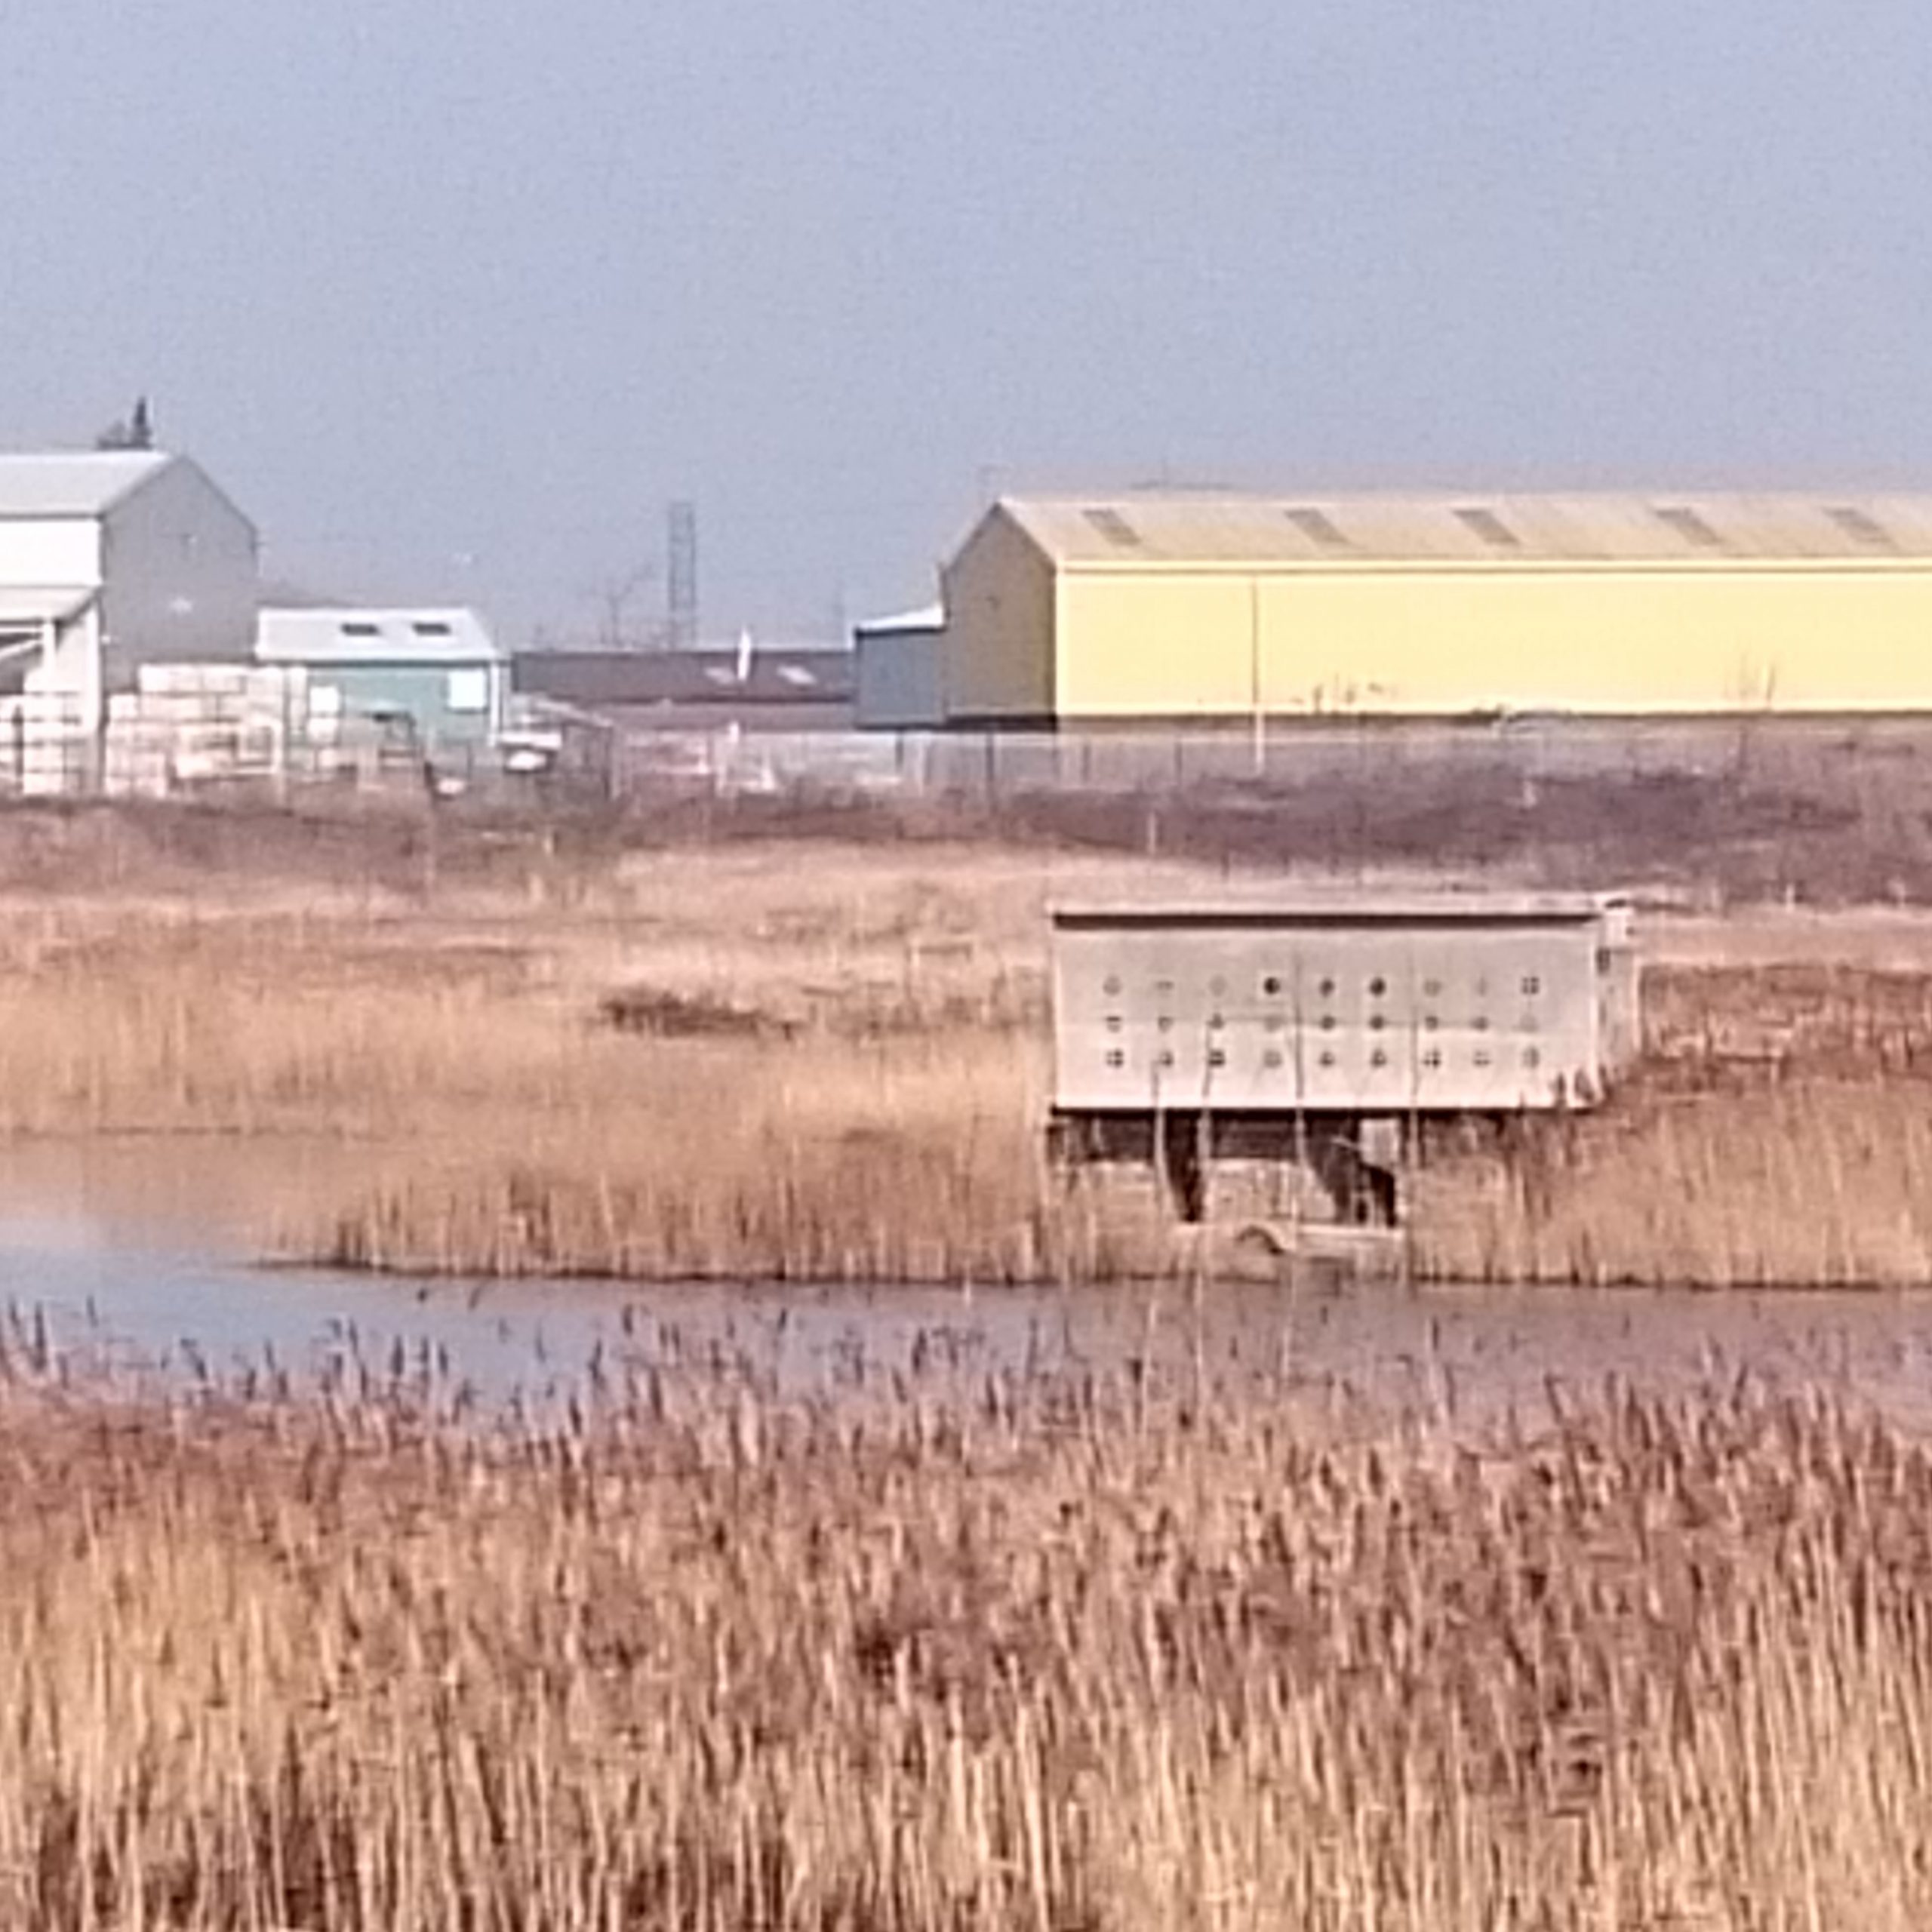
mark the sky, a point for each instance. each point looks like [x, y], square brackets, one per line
[454, 296]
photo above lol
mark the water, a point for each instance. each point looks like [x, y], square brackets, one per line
[137, 1255]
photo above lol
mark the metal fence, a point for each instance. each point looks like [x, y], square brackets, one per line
[990, 766]
[43, 753]
[168, 743]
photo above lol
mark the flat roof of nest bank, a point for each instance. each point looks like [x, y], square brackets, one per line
[1318, 911]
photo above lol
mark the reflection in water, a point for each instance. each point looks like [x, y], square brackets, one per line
[125, 1270]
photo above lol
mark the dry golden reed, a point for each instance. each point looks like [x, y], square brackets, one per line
[1778, 1134]
[950, 1655]
[826, 1064]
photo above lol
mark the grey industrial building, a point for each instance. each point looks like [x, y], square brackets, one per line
[110, 559]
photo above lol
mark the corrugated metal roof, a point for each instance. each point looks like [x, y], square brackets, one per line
[329, 635]
[1142, 531]
[49, 605]
[81, 484]
[775, 674]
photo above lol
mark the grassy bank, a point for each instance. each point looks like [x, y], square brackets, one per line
[1015, 1655]
[829, 1062]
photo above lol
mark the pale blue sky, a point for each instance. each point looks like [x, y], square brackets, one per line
[453, 296]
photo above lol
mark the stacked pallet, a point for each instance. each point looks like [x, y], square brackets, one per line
[44, 752]
[185, 725]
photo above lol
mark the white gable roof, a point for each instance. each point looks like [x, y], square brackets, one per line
[25, 604]
[88, 483]
[921, 623]
[332, 634]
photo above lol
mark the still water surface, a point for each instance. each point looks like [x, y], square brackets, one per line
[139, 1254]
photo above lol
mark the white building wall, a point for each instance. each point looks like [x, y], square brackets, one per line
[40, 552]
[72, 667]
[180, 576]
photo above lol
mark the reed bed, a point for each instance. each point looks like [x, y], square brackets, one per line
[1779, 1134]
[1822, 1185]
[766, 1066]
[952, 1654]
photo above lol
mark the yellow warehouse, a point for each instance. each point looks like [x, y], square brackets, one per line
[1197, 607]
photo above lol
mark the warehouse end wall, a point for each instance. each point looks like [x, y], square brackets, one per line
[999, 594]
[181, 577]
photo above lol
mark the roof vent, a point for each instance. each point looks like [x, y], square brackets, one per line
[1317, 526]
[1489, 527]
[1689, 525]
[1114, 528]
[1862, 527]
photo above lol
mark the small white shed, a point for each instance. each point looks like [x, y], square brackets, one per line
[438, 671]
